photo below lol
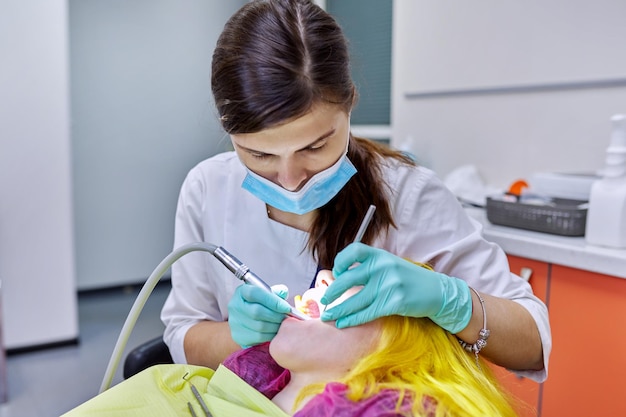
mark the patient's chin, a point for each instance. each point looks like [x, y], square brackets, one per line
[298, 342]
[311, 344]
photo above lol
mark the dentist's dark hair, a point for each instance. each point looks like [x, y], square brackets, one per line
[274, 61]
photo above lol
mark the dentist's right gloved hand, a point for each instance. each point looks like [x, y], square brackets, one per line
[394, 286]
[254, 315]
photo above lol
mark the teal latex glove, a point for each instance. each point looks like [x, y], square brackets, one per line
[394, 286]
[254, 315]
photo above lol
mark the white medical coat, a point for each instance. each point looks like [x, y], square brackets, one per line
[431, 227]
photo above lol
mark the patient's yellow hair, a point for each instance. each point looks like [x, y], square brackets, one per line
[416, 357]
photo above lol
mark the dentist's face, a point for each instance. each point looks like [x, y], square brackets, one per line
[291, 153]
[317, 346]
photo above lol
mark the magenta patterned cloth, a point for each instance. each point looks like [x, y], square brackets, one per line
[255, 366]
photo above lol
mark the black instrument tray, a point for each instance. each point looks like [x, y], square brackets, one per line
[559, 216]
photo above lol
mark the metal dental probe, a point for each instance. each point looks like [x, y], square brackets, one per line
[196, 394]
[203, 405]
[366, 222]
[362, 228]
[242, 272]
[191, 410]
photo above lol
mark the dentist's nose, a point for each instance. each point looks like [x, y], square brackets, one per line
[291, 176]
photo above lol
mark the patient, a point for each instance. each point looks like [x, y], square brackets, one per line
[391, 366]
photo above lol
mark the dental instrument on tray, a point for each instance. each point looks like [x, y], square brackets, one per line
[191, 410]
[240, 271]
[196, 394]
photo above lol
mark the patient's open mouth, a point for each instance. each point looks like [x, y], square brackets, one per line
[307, 306]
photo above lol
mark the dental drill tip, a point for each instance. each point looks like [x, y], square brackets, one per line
[297, 314]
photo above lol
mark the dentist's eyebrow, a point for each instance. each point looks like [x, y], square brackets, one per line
[304, 148]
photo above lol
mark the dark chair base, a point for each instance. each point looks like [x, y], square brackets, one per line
[153, 352]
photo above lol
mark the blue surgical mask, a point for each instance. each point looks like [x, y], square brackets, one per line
[317, 191]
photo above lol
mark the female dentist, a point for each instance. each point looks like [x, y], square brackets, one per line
[289, 200]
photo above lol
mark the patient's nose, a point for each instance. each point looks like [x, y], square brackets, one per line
[324, 278]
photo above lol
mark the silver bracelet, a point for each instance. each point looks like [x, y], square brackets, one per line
[483, 334]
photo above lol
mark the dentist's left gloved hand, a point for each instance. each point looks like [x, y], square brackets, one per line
[254, 315]
[394, 286]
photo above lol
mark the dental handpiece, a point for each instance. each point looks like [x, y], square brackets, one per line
[242, 272]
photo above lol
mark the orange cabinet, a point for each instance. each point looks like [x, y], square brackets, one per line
[588, 361]
[526, 391]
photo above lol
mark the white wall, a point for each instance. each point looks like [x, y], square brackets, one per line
[142, 116]
[513, 88]
[36, 234]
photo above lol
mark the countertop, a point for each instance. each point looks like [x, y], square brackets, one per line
[573, 252]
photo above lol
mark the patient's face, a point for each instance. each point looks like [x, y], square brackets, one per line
[309, 302]
[313, 345]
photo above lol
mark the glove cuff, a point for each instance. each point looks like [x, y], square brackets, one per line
[456, 309]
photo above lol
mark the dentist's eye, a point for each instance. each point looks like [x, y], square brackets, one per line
[316, 148]
[260, 155]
